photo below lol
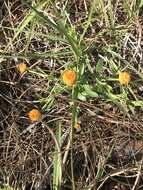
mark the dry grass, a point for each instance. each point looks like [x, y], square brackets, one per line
[107, 153]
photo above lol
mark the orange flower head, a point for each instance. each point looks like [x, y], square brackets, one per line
[124, 78]
[22, 67]
[34, 115]
[77, 126]
[69, 77]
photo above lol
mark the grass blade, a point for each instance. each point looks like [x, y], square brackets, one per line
[57, 173]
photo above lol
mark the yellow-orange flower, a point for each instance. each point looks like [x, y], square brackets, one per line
[34, 115]
[124, 78]
[69, 77]
[22, 67]
[77, 126]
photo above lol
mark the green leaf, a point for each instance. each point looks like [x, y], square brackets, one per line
[81, 97]
[87, 61]
[138, 103]
[113, 66]
[47, 103]
[57, 163]
[99, 66]
[6, 188]
[62, 28]
[29, 17]
[89, 91]
[141, 4]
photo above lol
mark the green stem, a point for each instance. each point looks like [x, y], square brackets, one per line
[74, 119]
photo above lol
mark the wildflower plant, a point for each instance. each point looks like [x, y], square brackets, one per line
[76, 62]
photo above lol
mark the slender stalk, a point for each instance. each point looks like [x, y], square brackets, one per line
[74, 119]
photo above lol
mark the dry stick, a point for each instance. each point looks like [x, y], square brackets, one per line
[104, 118]
[57, 146]
[8, 143]
[54, 138]
[45, 174]
[138, 176]
[66, 152]
[119, 172]
[140, 36]
[84, 104]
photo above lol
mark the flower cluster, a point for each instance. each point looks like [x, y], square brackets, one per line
[69, 78]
